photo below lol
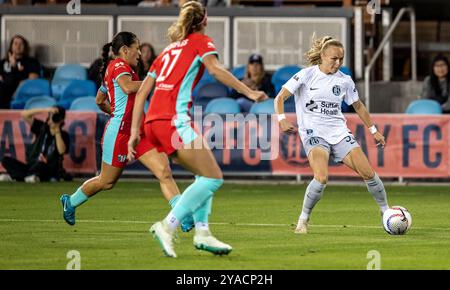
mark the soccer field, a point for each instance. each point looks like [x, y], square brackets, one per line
[257, 220]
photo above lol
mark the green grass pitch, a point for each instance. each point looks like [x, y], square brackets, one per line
[257, 220]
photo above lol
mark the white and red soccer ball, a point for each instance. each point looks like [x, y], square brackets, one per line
[397, 220]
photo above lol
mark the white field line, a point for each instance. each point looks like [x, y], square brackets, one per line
[232, 224]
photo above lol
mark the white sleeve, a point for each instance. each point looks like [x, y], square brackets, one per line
[295, 82]
[351, 94]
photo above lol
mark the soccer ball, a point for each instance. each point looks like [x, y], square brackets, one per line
[397, 220]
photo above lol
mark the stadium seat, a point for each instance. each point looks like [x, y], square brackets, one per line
[76, 89]
[206, 79]
[213, 90]
[239, 72]
[28, 89]
[208, 92]
[282, 75]
[266, 107]
[424, 107]
[85, 104]
[40, 102]
[223, 106]
[344, 107]
[346, 71]
[64, 75]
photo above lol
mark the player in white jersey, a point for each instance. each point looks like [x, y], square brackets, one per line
[319, 91]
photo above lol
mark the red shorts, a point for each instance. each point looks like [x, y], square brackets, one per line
[168, 138]
[115, 147]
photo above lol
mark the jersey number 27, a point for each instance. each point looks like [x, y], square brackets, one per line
[169, 60]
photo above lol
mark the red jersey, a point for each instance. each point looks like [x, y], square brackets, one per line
[121, 103]
[177, 70]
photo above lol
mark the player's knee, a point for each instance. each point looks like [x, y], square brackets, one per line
[213, 184]
[367, 174]
[164, 175]
[108, 185]
[322, 178]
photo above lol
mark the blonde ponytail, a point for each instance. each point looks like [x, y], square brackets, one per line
[313, 56]
[191, 19]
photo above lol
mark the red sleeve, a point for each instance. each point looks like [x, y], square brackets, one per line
[206, 47]
[120, 68]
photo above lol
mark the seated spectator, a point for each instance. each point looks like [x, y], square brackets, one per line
[147, 57]
[44, 159]
[257, 79]
[436, 86]
[16, 67]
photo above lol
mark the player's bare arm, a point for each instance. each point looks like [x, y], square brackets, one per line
[363, 114]
[285, 125]
[102, 102]
[127, 85]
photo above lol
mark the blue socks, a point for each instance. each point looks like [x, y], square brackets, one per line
[78, 198]
[174, 200]
[195, 196]
[202, 214]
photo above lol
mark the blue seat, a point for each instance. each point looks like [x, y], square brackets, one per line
[266, 107]
[208, 92]
[70, 72]
[40, 102]
[282, 75]
[28, 89]
[64, 75]
[424, 107]
[344, 107]
[213, 90]
[206, 79]
[223, 106]
[85, 104]
[346, 71]
[76, 89]
[239, 72]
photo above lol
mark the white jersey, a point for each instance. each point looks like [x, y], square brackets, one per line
[318, 99]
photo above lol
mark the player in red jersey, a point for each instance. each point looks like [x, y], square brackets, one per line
[169, 128]
[121, 83]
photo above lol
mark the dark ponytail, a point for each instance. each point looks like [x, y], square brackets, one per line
[123, 38]
[105, 59]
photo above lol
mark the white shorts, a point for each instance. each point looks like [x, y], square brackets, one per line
[338, 151]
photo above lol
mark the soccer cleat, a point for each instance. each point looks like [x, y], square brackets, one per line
[187, 224]
[302, 227]
[32, 179]
[68, 210]
[164, 238]
[5, 177]
[204, 240]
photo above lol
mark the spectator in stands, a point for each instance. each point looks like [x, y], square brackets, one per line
[257, 79]
[147, 57]
[16, 67]
[436, 86]
[45, 156]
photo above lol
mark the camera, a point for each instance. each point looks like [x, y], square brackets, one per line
[59, 116]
